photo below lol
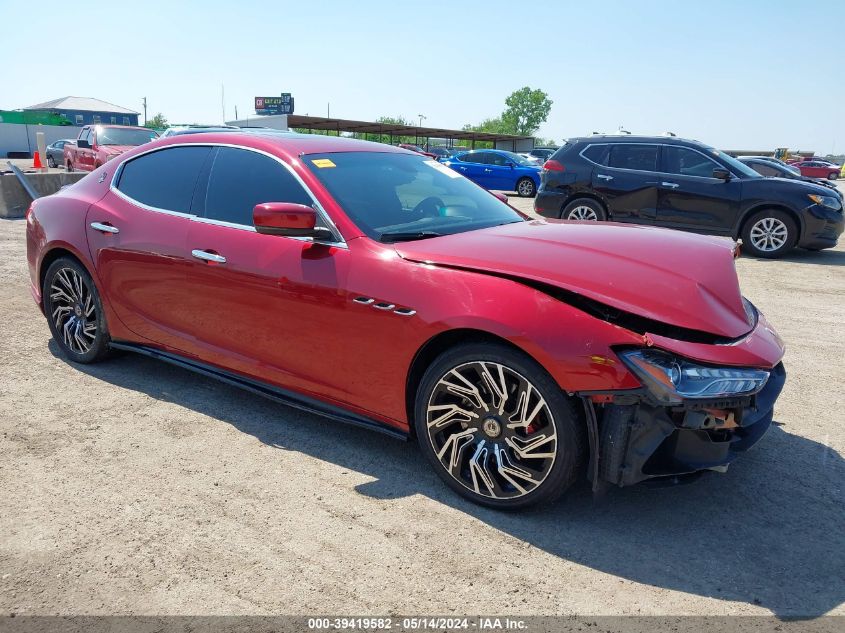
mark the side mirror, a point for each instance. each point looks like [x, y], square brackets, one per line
[287, 218]
[721, 173]
[83, 144]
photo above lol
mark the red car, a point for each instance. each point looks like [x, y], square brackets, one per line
[98, 144]
[377, 287]
[418, 150]
[818, 169]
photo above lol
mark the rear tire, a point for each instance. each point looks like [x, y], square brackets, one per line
[506, 452]
[74, 312]
[51, 162]
[769, 233]
[526, 188]
[584, 209]
[69, 167]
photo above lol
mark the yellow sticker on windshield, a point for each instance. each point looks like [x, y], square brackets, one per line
[323, 162]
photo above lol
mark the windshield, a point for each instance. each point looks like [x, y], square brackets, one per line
[410, 196]
[124, 136]
[735, 165]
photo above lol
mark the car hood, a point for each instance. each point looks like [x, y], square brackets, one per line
[116, 149]
[803, 184]
[676, 278]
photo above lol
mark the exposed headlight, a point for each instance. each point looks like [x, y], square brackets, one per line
[672, 379]
[750, 312]
[832, 202]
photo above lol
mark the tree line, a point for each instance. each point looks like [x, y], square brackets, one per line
[525, 111]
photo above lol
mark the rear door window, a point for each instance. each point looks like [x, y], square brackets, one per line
[241, 179]
[164, 179]
[633, 156]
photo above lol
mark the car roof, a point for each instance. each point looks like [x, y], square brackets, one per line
[290, 143]
[763, 159]
[200, 129]
[633, 138]
[481, 149]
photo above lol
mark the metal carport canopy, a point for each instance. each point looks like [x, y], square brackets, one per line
[373, 127]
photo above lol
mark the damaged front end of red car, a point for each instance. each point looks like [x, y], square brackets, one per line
[691, 416]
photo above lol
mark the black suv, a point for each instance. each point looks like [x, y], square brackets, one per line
[682, 184]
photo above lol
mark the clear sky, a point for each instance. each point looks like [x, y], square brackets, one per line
[751, 74]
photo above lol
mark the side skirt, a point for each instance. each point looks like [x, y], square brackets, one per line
[289, 398]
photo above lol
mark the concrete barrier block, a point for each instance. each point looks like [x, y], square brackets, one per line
[14, 200]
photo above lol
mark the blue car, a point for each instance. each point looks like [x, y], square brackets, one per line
[497, 169]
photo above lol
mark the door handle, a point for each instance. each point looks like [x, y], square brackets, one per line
[671, 185]
[209, 257]
[604, 177]
[105, 228]
[488, 170]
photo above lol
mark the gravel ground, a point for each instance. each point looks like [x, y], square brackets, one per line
[134, 487]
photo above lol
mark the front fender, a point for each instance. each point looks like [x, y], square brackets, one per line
[756, 206]
[574, 347]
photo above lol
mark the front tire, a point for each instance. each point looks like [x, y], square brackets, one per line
[769, 233]
[584, 209]
[497, 428]
[74, 312]
[833, 175]
[526, 188]
[51, 162]
[69, 167]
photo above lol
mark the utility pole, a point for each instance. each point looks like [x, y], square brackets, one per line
[145, 110]
[422, 116]
[328, 110]
[223, 101]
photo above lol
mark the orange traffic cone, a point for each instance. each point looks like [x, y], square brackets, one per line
[36, 163]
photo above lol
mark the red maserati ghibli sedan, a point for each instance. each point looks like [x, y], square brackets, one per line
[378, 287]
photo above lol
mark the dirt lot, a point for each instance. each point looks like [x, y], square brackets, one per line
[136, 487]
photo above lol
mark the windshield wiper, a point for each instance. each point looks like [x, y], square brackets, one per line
[408, 236]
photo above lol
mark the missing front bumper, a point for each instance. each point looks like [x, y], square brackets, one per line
[639, 441]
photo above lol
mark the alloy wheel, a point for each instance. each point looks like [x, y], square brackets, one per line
[73, 310]
[583, 212]
[525, 188]
[769, 234]
[491, 430]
